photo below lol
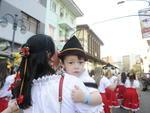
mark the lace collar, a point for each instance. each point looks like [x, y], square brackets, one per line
[45, 78]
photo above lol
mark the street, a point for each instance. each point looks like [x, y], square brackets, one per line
[145, 101]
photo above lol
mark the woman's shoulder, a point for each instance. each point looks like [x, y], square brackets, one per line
[71, 78]
[45, 79]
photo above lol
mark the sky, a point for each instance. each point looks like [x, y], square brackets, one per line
[120, 36]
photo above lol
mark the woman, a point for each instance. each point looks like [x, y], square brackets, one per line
[37, 88]
[105, 84]
[131, 100]
[5, 81]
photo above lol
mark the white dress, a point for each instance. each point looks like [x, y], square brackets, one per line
[45, 96]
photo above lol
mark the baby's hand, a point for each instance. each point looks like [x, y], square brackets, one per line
[77, 95]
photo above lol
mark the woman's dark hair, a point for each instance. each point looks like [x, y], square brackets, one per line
[132, 77]
[123, 77]
[34, 65]
[4, 71]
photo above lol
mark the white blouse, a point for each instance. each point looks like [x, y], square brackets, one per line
[103, 84]
[45, 96]
[136, 84]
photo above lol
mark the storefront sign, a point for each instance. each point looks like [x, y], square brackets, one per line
[144, 16]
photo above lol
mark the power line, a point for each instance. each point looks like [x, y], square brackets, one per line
[116, 18]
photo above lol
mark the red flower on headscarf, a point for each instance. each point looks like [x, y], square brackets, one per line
[20, 99]
[25, 51]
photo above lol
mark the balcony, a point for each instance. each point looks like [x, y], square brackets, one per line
[65, 24]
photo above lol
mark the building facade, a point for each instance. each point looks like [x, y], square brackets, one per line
[92, 46]
[61, 20]
[55, 18]
[26, 11]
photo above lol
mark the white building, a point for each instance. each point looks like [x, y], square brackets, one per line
[52, 17]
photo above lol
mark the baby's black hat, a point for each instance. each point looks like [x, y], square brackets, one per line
[72, 47]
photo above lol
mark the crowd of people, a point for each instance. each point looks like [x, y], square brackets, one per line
[48, 81]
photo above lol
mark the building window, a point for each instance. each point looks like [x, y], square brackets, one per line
[90, 44]
[61, 12]
[30, 23]
[66, 14]
[51, 31]
[39, 1]
[72, 20]
[85, 40]
[96, 48]
[92, 41]
[60, 33]
[53, 6]
[42, 2]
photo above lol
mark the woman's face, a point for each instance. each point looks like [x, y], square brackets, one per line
[54, 60]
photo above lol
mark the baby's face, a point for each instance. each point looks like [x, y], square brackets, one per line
[73, 65]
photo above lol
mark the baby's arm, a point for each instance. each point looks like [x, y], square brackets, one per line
[78, 96]
[96, 98]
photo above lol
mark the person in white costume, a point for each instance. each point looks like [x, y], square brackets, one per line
[4, 91]
[73, 60]
[5, 82]
[104, 84]
[40, 90]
